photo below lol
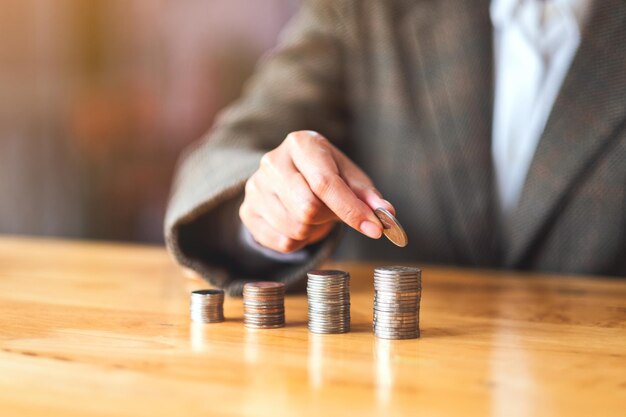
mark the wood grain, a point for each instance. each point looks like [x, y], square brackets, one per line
[103, 330]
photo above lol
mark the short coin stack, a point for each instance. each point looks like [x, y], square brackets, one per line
[397, 293]
[264, 305]
[328, 294]
[207, 306]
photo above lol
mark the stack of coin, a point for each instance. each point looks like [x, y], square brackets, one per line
[207, 306]
[264, 305]
[397, 292]
[328, 294]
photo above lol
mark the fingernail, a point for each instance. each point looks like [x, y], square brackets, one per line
[371, 230]
[390, 207]
[374, 199]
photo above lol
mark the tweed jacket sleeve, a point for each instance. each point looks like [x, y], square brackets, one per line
[298, 86]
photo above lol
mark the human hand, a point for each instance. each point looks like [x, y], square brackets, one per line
[302, 188]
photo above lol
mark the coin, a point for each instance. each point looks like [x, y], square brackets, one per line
[397, 292]
[328, 295]
[391, 227]
[207, 306]
[264, 305]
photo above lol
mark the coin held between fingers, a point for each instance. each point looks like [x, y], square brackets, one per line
[392, 229]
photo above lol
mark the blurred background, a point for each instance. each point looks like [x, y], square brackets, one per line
[98, 98]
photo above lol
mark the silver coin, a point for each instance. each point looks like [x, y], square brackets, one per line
[329, 314]
[409, 327]
[392, 310]
[413, 281]
[328, 296]
[391, 227]
[329, 292]
[329, 331]
[329, 284]
[263, 316]
[397, 270]
[397, 295]
[396, 330]
[398, 278]
[264, 305]
[404, 327]
[329, 317]
[396, 301]
[264, 326]
[260, 322]
[391, 287]
[330, 303]
[338, 325]
[396, 308]
[326, 320]
[207, 306]
[329, 287]
[210, 293]
[395, 314]
[328, 307]
[331, 280]
[326, 273]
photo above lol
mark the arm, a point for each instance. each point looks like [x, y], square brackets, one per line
[298, 86]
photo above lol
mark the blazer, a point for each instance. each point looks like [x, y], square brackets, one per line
[405, 88]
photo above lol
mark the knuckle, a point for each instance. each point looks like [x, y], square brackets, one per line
[367, 188]
[300, 231]
[319, 139]
[265, 160]
[302, 137]
[250, 186]
[285, 244]
[351, 215]
[244, 213]
[309, 210]
[268, 160]
[320, 182]
[294, 138]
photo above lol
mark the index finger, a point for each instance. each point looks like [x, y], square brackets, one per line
[313, 157]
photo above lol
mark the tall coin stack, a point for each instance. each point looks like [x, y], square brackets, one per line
[397, 293]
[328, 294]
[264, 305]
[207, 306]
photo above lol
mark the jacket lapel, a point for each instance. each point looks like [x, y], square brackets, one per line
[449, 49]
[584, 120]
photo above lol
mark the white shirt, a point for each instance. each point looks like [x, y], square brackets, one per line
[534, 45]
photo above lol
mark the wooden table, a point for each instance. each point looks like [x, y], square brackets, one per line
[103, 330]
